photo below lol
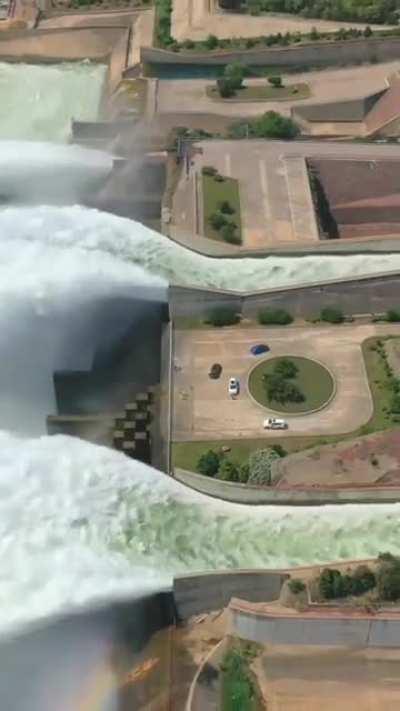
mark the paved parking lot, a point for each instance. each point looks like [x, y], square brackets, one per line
[204, 410]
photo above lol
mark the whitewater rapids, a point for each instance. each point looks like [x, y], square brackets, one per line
[80, 523]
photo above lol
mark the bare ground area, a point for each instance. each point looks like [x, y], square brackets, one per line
[370, 460]
[196, 19]
[303, 679]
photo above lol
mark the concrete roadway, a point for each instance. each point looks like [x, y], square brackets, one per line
[325, 85]
[203, 409]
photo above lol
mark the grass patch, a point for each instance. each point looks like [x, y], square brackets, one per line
[263, 93]
[312, 379]
[380, 383]
[214, 193]
[239, 688]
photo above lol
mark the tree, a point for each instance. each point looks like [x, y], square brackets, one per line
[273, 125]
[314, 34]
[217, 220]
[260, 466]
[244, 472]
[393, 315]
[275, 82]
[208, 463]
[368, 32]
[269, 316]
[223, 316]
[228, 471]
[235, 72]
[332, 314]
[280, 390]
[296, 586]
[286, 368]
[211, 42]
[229, 4]
[226, 207]
[229, 234]
[225, 88]
[330, 584]
[363, 579]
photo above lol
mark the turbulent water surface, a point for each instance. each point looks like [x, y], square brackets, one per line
[79, 522]
[38, 101]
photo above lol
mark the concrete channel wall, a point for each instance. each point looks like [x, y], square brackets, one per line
[317, 54]
[360, 295]
[349, 632]
[206, 592]
[244, 494]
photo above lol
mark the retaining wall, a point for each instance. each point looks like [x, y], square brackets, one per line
[356, 632]
[244, 494]
[317, 54]
[195, 594]
[364, 294]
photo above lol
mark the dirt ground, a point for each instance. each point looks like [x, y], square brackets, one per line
[304, 679]
[368, 460]
[196, 19]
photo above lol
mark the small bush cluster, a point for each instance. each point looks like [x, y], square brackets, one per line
[334, 584]
[268, 125]
[272, 317]
[296, 586]
[388, 577]
[279, 386]
[257, 470]
[332, 314]
[393, 382]
[223, 316]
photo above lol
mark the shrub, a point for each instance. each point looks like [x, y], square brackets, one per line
[281, 451]
[189, 44]
[211, 42]
[229, 234]
[217, 220]
[234, 73]
[223, 316]
[244, 472]
[395, 403]
[208, 463]
[388, 577]
[225, 88]
[228, 471]
[209, 170]
[330, 584]
[286, 368]
[296, 586]
[281, 390]
[363, 579]
[260, 466]
[393, 315]
[274, 316]
[273, 125]
[333, 584]
[275, 82]
[331, 314]
[226, 207]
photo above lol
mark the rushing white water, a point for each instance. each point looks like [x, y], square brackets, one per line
[97, 233]
[79, 522]
[38, 102]
[33, 171]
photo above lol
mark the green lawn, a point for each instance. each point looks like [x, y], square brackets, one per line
[186, 454]
[214, 193]
[239, 688]
[291, 92]
[312, 379]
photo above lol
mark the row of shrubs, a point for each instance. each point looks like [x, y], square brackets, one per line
[333, 584]
[212, 42]
[257, 470]
[222, 220]
[228, 316]
[393, 382]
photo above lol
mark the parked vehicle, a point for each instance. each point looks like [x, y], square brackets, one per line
[233, 387]
[259, 349]
[275, 423]
[215, 371]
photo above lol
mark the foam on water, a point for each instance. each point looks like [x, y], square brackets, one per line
[94, 232]
[38, 102]
[79, 522]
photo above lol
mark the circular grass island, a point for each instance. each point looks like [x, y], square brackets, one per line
[291, 385]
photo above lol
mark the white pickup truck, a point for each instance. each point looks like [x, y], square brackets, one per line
[275, 423]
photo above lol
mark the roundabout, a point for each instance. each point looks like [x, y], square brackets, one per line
[291, 385]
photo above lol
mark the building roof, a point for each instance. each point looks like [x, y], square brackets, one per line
[386, 109]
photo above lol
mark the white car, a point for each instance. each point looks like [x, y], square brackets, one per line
[233, 387]
[275, 423]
